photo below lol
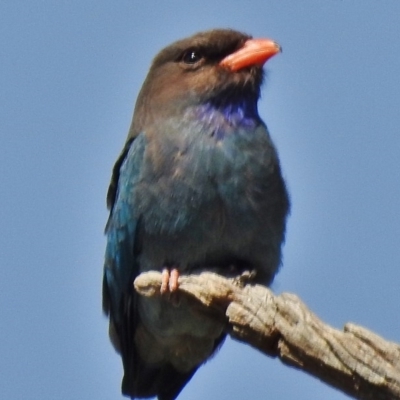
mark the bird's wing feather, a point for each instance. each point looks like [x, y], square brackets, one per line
[120, 267]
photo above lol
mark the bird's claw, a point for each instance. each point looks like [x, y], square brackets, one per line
[169, 280]
[245, 277]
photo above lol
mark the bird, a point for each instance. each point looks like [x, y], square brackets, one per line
[197, 184]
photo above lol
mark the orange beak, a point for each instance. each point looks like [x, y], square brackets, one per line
[253, 52]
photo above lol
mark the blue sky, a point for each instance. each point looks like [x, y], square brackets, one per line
[69, 75]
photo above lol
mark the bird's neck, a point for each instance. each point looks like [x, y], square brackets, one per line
[221, 118]
[237, 114]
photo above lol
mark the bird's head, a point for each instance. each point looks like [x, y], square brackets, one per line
[220, 67]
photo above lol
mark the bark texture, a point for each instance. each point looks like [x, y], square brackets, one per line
[355, 360]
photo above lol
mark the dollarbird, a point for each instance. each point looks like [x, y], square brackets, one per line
[197, 184]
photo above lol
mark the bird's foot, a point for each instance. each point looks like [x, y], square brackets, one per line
[169, 284]
[169, 280]
[245, 277]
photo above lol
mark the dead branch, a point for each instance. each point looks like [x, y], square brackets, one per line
[355, 361]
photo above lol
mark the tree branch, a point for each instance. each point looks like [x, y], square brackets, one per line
[355, 361]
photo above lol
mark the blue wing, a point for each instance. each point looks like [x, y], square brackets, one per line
[120, 266]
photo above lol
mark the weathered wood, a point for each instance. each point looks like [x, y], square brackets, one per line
[355, 360]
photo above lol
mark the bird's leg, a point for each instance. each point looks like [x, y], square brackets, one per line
[169, 280]
[173, 280]
[164, 280]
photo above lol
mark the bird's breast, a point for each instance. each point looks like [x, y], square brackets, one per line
[202, 192]
[203, 198]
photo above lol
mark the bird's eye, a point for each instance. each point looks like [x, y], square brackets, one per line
[191, 56]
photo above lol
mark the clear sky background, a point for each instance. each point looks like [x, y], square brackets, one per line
[69, 75]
